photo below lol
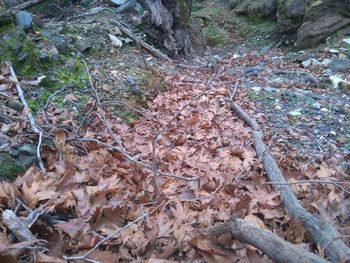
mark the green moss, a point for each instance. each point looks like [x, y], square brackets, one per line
[209, 12]
[214, 35]
[232, 4]
[9, 167]
[128, 117]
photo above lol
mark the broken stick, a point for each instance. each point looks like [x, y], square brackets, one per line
[323, 233]
[276, 248]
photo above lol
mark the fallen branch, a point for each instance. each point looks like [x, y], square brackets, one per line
[29, 113]
[17, 227]
[28, 4]
[86, 255]
[276, 248]
[322, 232]
[23, 100]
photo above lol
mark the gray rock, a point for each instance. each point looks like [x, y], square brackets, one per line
[340, 64]
[322, 19]
[256, 8]
[83, 44]
[27, 149]
[24, 19]
[15, 105]
[127, 6]
[290, 15]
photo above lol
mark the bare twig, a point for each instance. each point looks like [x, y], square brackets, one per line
[40, 161]
[86, 255]
[133, 159]
[28, 4]
[24, 102]
[97, 97]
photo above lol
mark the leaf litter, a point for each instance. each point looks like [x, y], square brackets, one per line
[110, 174]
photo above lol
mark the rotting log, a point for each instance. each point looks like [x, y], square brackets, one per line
[276, 248]
[323, 234]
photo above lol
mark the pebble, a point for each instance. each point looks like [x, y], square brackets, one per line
[295, 113]
[316, 106]
[256, 88]
[310, 62]
[324, 110]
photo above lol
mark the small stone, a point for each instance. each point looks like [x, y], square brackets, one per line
[83, 44]
[342, 139]
[335, 81]
[310, 62]
[15, 105]
[24, 19]
[115, 41]
[27, 149]
[333, 133]
[324, 110]
[295, 113]
[334, 51]
[316, 105]
[346, 41]
[256, 88]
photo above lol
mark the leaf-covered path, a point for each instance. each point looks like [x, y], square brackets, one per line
[160, 184]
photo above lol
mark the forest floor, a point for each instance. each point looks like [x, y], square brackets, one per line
[156, 158]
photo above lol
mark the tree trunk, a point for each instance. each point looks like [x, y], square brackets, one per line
[166, 25]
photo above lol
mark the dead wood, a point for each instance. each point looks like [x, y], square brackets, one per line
[167, 25]
[28, 4]
[139, 41]
[276, 248]
[322, 233]
[17, 227]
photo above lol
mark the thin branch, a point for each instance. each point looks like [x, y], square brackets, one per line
[85, 256]
[123, 151]
[23, 100]
[40, 161]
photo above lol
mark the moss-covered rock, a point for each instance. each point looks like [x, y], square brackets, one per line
[9, 167]
[290, 14]
[214, 35]
[256, 8]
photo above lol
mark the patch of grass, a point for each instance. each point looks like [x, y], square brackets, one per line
[214, 35]
[128, 116]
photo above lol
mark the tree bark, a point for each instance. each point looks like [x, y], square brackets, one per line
[276, 248]
[166, 25]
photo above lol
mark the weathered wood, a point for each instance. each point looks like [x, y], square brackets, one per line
[167, 25]
[28, 4]
[323, 234]
[276, 248]
[17, 227]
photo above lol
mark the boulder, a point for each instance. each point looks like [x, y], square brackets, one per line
[290, 15]
[256, 8]
[321, 20]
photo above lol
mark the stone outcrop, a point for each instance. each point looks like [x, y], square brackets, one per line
[321, 20]
[258, 8]
[290, 15]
